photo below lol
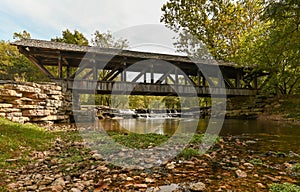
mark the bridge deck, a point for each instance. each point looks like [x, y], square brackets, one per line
[127, 88]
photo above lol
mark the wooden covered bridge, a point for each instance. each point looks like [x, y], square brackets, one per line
[101, 70]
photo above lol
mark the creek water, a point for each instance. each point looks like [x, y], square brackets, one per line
[268, 135]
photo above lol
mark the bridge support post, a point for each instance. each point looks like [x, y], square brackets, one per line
[59, 69]
[76, 100]
[95, 73]
[238, 80]
[152, 74]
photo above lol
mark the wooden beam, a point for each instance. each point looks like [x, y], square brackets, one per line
[238, 80]
[172, 79]
[95, 73]
[82, 68]
[138, 76]
[88, 74]
[59, 67]
[68, 67]
[163, 77]
[152, 73]
[36, 62]
[115, 75]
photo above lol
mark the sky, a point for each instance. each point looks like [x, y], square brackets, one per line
[134, 20]
[45, 19]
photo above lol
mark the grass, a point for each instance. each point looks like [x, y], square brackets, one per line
[256, 161]
[286, 187]
[188, 153]
[296, 167]
[139, 141]
[17, 141]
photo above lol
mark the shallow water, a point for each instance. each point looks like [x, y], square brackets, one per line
[270, 135]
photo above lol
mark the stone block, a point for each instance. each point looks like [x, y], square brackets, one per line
[20, 119]
[27, 89]
[14, 114]
[36, 95]
[6, 105]
[31, 107]
[9, 110]
[57, 97]
[9, 93]
[54, 92]
[51, 118]
[36, 113]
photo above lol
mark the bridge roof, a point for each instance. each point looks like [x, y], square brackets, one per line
[48, 52]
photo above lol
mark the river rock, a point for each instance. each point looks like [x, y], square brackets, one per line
[260, 185]
[60, 181]
[75, 190]
[140, 185]
[197, 186]
[170, 165]
[240, 174]
[97, 156]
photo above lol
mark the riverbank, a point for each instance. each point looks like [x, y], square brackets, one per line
[284, 108]
[59, 160]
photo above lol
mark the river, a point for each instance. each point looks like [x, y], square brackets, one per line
[269, 135]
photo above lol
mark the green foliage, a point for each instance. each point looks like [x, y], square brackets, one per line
[216, 24]
[263, 35]
[188, 153]
[73, 38]
[286, 187]
[15, 66]
[106, 40]
[22, 35]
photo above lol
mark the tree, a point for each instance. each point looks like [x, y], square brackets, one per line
[15, 66]
[106, 40]
[217, 24]
[274, 46]
[73, 38]
[21, 35]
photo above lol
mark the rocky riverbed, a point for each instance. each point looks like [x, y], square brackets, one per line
[232, 164]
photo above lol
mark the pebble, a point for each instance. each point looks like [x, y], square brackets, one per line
[260, 185]
[75, 190]
[197, 186]
[140, 185]
[87, 175]
[240, 174]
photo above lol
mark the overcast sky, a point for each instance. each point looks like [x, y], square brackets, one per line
[45, 19]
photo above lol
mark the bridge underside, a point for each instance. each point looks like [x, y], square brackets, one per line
[111, 71]
[125, 88]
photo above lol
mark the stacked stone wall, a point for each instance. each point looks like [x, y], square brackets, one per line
[248, 107]
[33, 102]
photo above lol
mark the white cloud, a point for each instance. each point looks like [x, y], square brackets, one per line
[47, 18]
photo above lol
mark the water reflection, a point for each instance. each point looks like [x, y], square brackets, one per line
[271, 135]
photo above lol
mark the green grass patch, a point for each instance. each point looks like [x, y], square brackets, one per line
[188, 153]
[17, 141]
[296, 167]
[139, 141]
[286, 187]
[256, 162]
